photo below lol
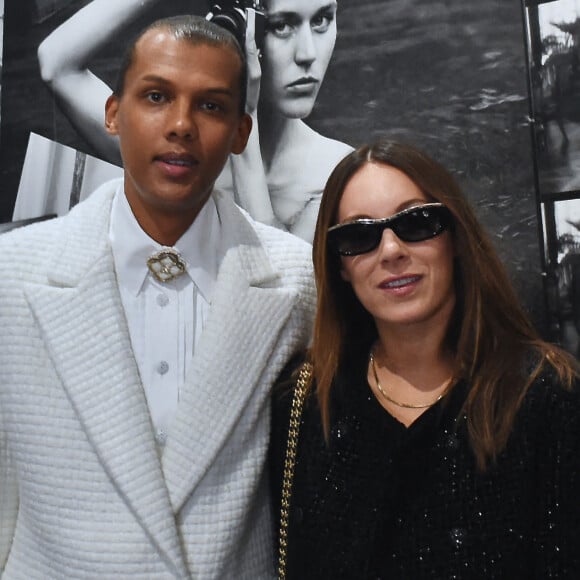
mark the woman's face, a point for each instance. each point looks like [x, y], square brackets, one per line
[399, 283]
[298, 44]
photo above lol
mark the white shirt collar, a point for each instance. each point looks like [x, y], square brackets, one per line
[200, 247]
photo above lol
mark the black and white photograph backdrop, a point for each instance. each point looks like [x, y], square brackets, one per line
[562, 231]
[451, 76]
[1, 40]
[554, 50]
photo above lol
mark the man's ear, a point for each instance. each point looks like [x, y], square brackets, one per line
[111, 109]
[242, 134]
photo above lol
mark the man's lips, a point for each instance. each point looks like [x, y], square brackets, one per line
[176, 164]
[399, 282]
[181, 159]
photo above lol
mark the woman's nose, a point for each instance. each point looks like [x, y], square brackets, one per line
[391, 247]
[305, 48]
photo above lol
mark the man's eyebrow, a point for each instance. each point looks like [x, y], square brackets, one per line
[156, 79]
[221, 91]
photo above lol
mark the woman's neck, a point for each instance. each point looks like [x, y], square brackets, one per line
[411, 353]
[277, 133]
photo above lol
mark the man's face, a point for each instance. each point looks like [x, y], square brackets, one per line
[177, 121]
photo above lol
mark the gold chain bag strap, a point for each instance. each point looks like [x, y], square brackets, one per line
[298, 399]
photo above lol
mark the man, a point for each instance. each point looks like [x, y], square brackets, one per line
[122, 454]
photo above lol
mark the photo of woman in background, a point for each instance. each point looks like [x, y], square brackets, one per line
[439, 436]
[280, 177]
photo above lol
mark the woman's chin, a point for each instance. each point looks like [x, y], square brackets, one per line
[297, 108]
[297, 112]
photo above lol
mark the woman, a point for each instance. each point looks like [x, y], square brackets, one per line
[280, 177]
[440, 436]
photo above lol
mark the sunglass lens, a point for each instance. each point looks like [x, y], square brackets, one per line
[353, 239]
[420, 225]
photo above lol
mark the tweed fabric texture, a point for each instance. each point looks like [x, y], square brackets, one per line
[385, 502]
[83, 491]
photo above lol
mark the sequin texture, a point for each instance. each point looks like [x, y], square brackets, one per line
[381, 501]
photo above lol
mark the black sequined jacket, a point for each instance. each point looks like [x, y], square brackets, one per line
[385, 502]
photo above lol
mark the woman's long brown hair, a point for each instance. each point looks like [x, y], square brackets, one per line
[497, 350]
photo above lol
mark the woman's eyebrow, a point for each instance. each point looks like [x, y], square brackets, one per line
[285, 15]
[328, 7]
[292, 16]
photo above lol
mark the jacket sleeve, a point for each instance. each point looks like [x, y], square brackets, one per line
[557, 516]
[8, 500]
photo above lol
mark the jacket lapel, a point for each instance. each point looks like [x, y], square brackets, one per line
[81, 317]
[247, 314]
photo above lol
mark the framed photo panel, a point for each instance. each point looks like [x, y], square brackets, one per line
[553, 34]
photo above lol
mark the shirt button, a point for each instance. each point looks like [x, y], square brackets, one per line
[161, 436]
[162, 300]
[162, 367]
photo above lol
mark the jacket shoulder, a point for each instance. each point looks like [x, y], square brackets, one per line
[29, 248]
[550, 411]
[283, 245]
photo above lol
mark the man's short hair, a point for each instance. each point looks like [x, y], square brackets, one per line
[195, 30]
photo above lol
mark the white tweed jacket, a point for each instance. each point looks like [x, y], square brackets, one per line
[83, 492]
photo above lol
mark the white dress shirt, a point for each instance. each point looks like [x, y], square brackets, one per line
[165, 319]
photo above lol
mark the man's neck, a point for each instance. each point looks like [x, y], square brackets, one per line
[165, 230]
[165, 226]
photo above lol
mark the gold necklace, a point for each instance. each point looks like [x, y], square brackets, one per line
[397, 403]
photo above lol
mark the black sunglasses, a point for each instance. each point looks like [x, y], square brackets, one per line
[415, 224]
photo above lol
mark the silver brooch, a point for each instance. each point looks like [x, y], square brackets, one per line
[166, 265]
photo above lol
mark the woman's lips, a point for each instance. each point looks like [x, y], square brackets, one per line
[304, 85]
[400, 285]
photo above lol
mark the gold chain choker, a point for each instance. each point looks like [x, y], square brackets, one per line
[397, 403]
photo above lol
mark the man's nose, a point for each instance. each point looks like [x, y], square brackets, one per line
[181, 120]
